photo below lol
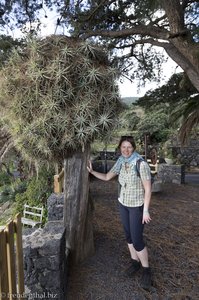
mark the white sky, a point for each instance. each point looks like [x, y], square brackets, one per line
[128, 89]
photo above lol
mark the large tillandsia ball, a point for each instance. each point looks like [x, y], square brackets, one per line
[58, 95]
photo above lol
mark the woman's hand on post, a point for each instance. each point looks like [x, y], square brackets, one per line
[146, 217]
[90, 167]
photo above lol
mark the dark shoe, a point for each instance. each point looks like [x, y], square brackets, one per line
[146, 279]
[134, 267]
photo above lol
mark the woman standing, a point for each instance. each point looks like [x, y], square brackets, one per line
[134, 200]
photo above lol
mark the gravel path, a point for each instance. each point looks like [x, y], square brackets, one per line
[172, 239]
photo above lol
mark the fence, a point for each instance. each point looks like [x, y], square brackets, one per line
[11, 261]
[59, 182]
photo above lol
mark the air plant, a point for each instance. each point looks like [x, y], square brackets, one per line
[58, 94]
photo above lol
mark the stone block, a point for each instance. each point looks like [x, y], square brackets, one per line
[172, 173]
[55, 204]
[45, 261]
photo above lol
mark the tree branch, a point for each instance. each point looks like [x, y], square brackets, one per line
[175, 14]
[5, 149]
[96, 9]
[180, 33]
[186, 2]
[143, 41]
[183, 62]
[142, 30]
[157, 20]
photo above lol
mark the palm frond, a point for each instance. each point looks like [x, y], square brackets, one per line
[188, 124]
[188, 115]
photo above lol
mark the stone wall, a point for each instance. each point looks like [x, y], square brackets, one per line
[45, 255]
[171, 173]
[187, 155]
[55, 205]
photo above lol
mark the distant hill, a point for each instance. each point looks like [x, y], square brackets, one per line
[129, 100]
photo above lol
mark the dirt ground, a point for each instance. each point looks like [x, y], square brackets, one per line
[172, 239]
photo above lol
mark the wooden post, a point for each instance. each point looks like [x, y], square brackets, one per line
[59, 182]
[19, 256]
[11, 259]
[11, 265]
[77, 213]
[4, 286]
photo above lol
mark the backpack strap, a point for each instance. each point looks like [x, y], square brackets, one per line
[137, 166]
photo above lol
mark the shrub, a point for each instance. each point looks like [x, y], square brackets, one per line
[5, 178]
[38, 190]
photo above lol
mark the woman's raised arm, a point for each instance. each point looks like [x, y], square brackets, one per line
[99, 175]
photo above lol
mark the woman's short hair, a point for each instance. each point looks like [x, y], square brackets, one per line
[127, 138]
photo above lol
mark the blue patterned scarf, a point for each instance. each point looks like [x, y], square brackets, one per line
[130, 160]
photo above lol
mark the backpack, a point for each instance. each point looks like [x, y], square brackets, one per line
[137, 167]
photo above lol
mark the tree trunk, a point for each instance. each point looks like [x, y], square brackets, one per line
[77, 209]
[182, 49]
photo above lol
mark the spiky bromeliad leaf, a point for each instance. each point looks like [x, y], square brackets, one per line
[59, 94]
[94, 76]
[106, 120]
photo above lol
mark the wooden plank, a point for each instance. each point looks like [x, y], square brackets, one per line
[11, 259]
[59, 182]
[30, 213]
[4, 286]
[19, 256]
[33, 207]
[56, 184]
[61, 174]
[30, 222]
[60, 186]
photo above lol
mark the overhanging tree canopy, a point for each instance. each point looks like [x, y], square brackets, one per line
[137, 25]
[134, 26]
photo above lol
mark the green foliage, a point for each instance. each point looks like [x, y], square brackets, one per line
[5, 179]
[178, 99]
[9, 191]
[169, 96]
[34, 191]
[37, 192]
[129, 119]
[6, 191]
[188, 113]
[7, 43]
[156, 124]
[59, 95]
